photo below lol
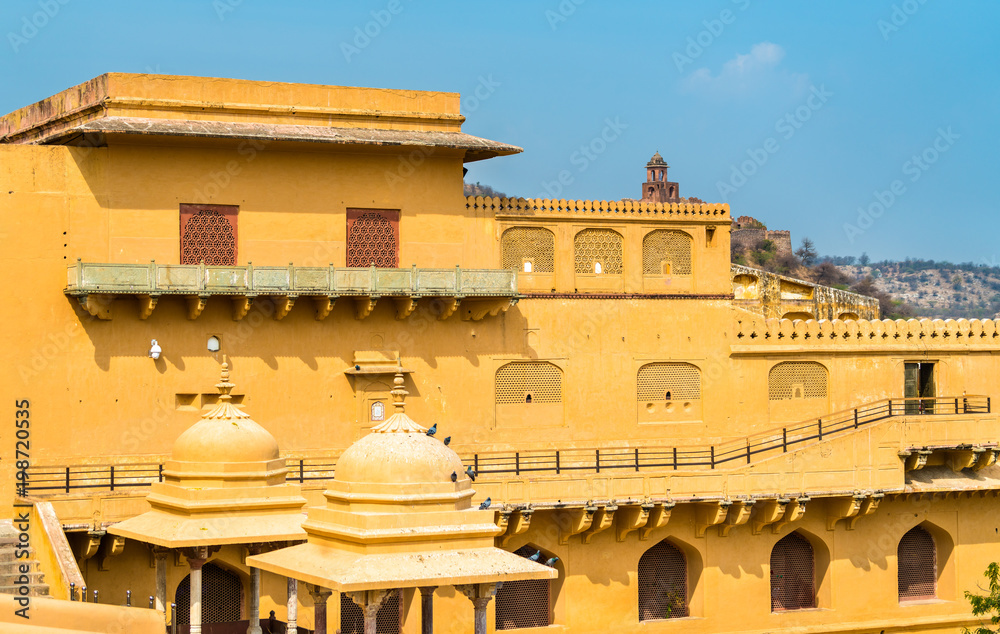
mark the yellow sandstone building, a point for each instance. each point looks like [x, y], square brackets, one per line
[632, 434]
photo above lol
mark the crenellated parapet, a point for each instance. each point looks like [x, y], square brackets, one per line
[609, 208]
[909, 333]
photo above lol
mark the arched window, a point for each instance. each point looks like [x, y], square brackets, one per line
[793, 570]
[797, 380]
[222, 594]
[668, 381]
[528, 382]
[592, 247]
[524, 603]
[666, 253]
[528, 249]
[388, 620]
[208, 234]
[662, 583]
[916, 557]
[373, 238]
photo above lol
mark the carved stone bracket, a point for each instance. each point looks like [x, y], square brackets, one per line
[710, 514]
[241, 306]
[405, 306]
[363, 306]
[793, 513]
[518, 523]
[575, 521]
[369, 601]
[283, 305]
[146, 305]
[478, 310]
[479, 591]
[842, 508]
[739, 514]
[868, 506]
[603, 519]
[987, 458]
[630, 518]
[659, 515]
[767, 512]
[960, 459]
[448, 307]
[112, 547]
[915, 459]
[88, 547]
[97, 305]
[323, 306]
[196, 305]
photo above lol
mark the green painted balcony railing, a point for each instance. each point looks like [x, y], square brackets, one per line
[85, 278]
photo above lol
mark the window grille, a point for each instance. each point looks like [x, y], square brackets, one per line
[222, 592]
[598, 245]
[916, 557]
[792, 574]
[681, 380]
[388, 620]
[208, 234]
[797, 379]
[528, 382]
[520, 245]
[672, 248]
[662, 583]
[523, 603]
[373, 238]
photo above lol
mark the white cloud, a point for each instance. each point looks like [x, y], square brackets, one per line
[758, 70]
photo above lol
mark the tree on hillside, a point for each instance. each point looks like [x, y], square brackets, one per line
[864, 260]
[807, 252]
[986, 604]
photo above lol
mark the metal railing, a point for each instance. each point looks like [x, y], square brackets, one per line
[199, 279]
[743, 451]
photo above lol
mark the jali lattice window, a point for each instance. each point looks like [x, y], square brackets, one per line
[528, 247]
[669, 381]
[208, 234]
[662, 583]
[528, 382]
[523, 603]
[222, 593]
[797, 379]
[917, 560]
[598, 251]
[373, 238]
[792, 574]
[388, 620]
[666, 253]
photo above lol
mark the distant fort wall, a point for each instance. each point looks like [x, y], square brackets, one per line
[748, 232]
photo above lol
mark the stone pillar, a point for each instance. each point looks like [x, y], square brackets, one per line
[160, 561]
[254, 616]
[427, 610]
[196, 559]
[369, 602]
[319, 596]
[293, 606]
[480, 595]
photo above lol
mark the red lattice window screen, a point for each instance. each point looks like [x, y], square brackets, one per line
[388, 620]
[208, 233]
[917, 560]
[662, 583]
[523, 603]
[373, 238]
[792, 574]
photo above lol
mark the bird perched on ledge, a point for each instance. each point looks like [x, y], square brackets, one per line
[447, 440]
[485, 504]
[472, 474]
[551, 561]
[454, 476]
[536, 556]
[433, 430]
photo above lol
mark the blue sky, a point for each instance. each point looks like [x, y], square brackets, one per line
[801, 114]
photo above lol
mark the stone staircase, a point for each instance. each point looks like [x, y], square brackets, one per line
[10, 566]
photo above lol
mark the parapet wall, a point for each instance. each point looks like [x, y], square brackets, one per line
[911, 333]
[716, 213]
[773, 296]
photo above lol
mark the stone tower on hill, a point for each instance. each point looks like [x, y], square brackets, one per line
[657, 189]
[747, 232]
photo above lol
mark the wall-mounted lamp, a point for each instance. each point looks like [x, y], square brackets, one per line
[155, 350]
[214, 344]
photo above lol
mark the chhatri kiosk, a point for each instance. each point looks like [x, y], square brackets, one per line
[398, 515]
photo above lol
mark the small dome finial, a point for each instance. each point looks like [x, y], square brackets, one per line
[399, 393]
[224, 386]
